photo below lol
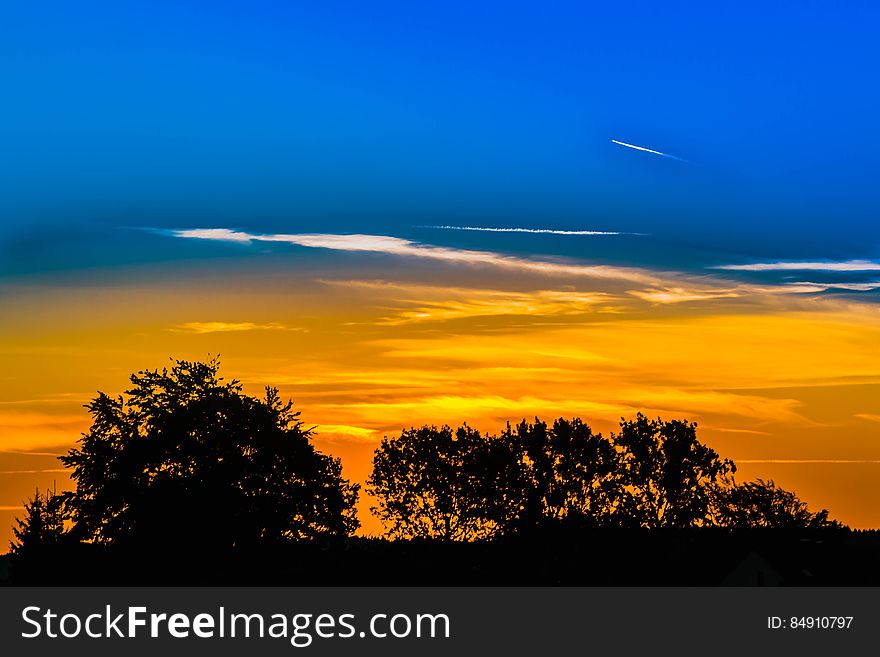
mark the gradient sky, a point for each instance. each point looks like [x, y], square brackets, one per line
[270, 180]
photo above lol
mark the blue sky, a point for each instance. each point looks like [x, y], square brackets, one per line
[377, 117]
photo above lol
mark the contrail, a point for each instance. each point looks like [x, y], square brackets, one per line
[539, 231]
[648, 150]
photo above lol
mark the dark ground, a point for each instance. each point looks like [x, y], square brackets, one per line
[594, 558]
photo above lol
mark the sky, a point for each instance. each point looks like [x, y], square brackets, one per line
[407, 213]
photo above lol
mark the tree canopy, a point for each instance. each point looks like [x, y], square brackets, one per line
[440, 483]
[762, 504]
[187, 457]
[565, 472]
[669, 474]
[42, 526]
[652, 474]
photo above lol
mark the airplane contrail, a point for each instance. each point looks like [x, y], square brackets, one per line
[648, 150]
[539, 231]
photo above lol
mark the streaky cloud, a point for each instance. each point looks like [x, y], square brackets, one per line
[783, 265]
[532, 231]
[228, 327]
[648, 150]
[41, 471]
[403, 247]
[658, 287]
[853, 287]
[806, 461]
[421, 303]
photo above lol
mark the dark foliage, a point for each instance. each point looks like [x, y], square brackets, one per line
[762, 504]
[565, 473]
[652, 474]
[669, 474]
[190, 460]
[42, 526]
[440, 483]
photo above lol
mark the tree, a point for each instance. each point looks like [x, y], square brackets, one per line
[188, 458]
[440, 483]
[762, 504]
[42, 526]
[669, 474]
[566, 472]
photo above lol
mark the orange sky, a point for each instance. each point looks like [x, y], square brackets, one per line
[784, 384]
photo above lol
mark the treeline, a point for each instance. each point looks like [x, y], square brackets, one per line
[653, 474]
[186, 459]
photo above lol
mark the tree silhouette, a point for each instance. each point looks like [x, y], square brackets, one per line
[42, 526]
[440, 483]
[669, 474]
[190, 459]
[566, 472]
[762, 504]
[652, 474]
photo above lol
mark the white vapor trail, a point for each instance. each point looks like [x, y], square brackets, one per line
[648, 150]
[848, 265]
[537, 231]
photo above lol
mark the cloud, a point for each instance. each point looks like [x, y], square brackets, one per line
[214, 234]
[535, 231]
[855, 287]
[403, 247]
[23, 452]
[424, 303]
[659, 287]
[684, 401]
[751, 432]
[848, 265]
[12, 472]
[333, 432]
[26, 431]
[681, 295]
[870, 417]
[804, 461]
[224, 327]
[647, 150]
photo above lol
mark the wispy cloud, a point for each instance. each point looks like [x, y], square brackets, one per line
[847, 265]
[648, 150]
[805, 461]
[403, 247]
[659, 287]
[334, 432]
[224, 327]
[422, 303]
[23, 452]
[14, 472]
[870, 417]
[223, 234]
[855, 287]
[682, 295]
[533, 231]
